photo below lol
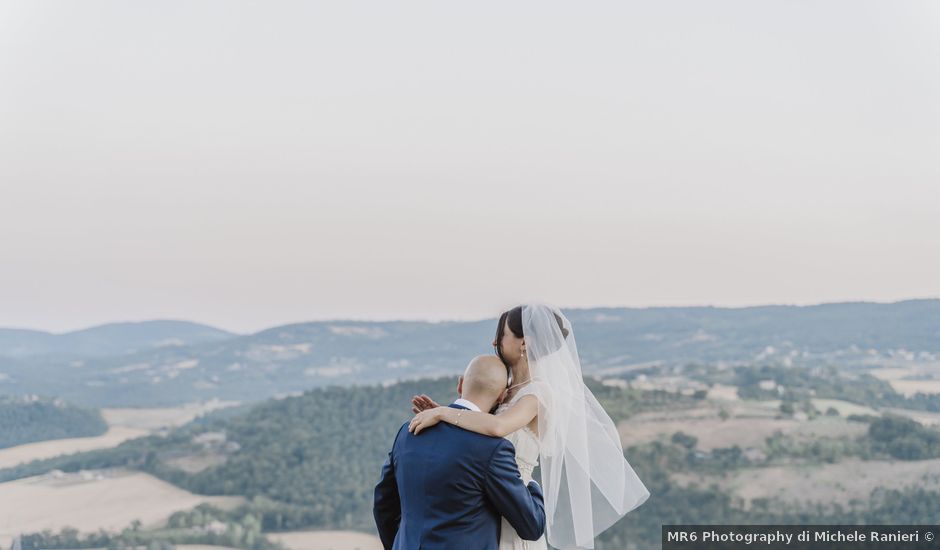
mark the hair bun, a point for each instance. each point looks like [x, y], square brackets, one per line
[561, 325]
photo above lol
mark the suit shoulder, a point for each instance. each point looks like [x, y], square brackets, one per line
[403, 429]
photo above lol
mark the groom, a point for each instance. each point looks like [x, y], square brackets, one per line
[448, 487]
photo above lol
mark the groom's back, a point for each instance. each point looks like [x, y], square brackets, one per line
[441, 476]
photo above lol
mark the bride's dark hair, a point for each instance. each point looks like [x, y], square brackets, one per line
[514, 317]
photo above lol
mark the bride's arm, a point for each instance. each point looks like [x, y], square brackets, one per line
[501, 425]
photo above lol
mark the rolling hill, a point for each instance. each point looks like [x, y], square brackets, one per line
[109, 339]
[293, 358]
[310, 461]
[29, 418]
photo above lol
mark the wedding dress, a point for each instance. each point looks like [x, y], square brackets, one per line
[587, 481]
[527, 458]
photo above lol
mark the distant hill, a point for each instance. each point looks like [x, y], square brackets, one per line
[26, 419]
[849, 331]
[296, 357]
[110, 339]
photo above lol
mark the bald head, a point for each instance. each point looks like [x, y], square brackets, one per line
[484, 381]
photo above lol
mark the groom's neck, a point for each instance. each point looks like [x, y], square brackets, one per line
[477, 400]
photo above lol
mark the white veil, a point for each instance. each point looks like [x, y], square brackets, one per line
[588, 483]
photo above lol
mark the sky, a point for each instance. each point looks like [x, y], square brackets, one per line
[249, 164]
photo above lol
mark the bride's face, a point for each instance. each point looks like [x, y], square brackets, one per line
[508, 345]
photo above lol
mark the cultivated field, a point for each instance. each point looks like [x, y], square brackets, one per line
[826, 483]
[92, 500]
[910, 380]
[748, 425]
[750, 422]
[893, 373]
[326, 540]
[95, 500]
[153, 419]
[115, 435]
[910, 387]
[723, 392]
[123, 424]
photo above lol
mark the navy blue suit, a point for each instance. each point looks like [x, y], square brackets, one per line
[447, 488]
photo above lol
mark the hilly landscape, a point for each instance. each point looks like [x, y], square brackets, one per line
[110, 339]
[735, 451]
[170, 364]
[273, 440]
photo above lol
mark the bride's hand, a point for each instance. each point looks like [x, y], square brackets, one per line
[422, 403]
[425, 419]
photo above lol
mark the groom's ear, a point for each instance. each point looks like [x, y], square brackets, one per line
[460, 386]
[502, 396]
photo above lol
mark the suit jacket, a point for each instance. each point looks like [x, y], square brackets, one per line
[447, 488]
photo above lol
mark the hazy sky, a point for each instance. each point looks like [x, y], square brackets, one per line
[247, 164]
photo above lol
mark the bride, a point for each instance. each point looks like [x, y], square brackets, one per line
[550, 415]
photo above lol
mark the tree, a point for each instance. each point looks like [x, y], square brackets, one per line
[684, 439]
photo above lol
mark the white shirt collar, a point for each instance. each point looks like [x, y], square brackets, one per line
[469, 404]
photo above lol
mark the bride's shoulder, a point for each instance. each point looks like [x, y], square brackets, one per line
[535, 387]
[514, 399]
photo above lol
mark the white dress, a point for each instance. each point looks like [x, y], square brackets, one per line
[527, 458]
